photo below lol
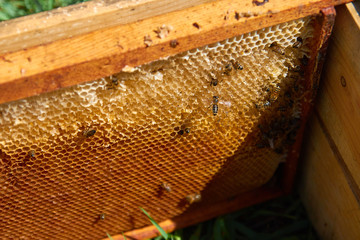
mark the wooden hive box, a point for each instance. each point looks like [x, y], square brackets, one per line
[329, 183]
[111, 106]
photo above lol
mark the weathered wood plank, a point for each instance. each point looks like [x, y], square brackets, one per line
[330, 178]
[100, 53]
[339, 98]
[74, 20]
[330, 203]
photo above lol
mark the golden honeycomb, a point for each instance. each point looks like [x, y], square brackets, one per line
[214, 122]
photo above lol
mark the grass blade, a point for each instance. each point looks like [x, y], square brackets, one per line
[50, 4]
[9, 9]
[108, 235]
[196, 234]
[123, 236]
[38, 6]
[178, 234]
[162, 232]
[292, 228]
[217, 230]
[3, 16]
[291, 238]
[296, 205]
[220, 230]
[249, 233]
[229, 223]
[28, 6]
[274, 214]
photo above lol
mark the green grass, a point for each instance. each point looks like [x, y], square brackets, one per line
[280, 219]
[108, 235]
[12, 9]
[162, 232]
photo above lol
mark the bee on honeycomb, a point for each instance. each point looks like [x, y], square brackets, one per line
[166, 187]
[193, 198]
[89, 132]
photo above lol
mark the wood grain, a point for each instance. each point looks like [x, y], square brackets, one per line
[332, 208]
[76, 59]
[330, 181]
[74, 20]
[339, 102]
[323, 28]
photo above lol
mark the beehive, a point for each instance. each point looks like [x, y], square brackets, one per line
[215, 121]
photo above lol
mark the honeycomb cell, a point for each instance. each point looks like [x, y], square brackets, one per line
[153, 125]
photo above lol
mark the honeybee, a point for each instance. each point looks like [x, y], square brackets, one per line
[181, 132]
[89, 132]
[228, 69]
[166, 187]
[274, 94]
[215, 107]
[237, 65]
[174, 43]
[259, 3]
[193, 198]
[267, 104]
[232, 65]
[298, 43]
[32, 154]
[277, 49]
[102, 216]
[184, 130]
[214, 81]
[304, 60]
[114, 82]
[148, 41]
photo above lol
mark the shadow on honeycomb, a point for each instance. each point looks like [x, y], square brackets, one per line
[212, 122]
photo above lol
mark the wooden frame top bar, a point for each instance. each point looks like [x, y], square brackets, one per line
[61, 23]
[103, 49]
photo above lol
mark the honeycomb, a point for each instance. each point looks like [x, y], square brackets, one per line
[206, 124]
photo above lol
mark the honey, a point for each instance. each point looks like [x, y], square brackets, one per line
[104, 148]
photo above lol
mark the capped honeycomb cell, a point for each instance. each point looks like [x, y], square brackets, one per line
[195, 128]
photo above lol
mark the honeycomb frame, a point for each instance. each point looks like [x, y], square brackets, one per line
[85, 132]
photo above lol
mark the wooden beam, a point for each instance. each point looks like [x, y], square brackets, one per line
[73, 60]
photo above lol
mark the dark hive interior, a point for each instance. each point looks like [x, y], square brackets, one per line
[213, 122]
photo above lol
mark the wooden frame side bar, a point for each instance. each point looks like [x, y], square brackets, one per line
[204, 213]
[323, 28]
[74, 60]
